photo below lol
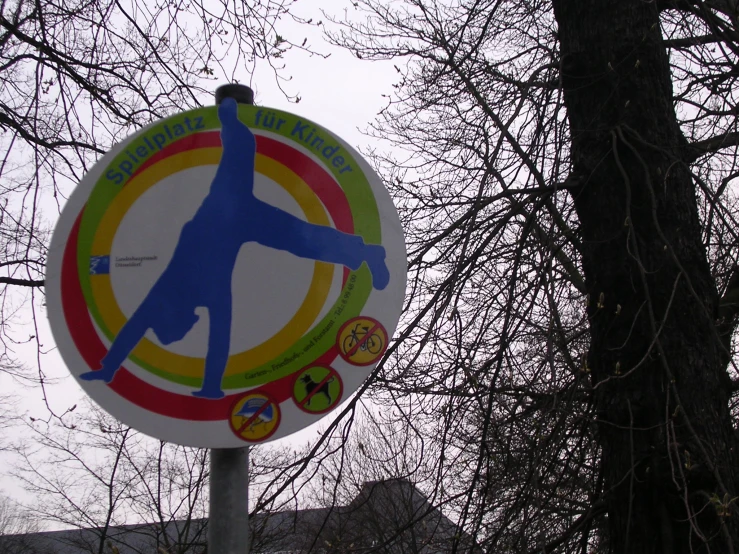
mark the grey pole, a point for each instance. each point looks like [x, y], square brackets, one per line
[228, 515]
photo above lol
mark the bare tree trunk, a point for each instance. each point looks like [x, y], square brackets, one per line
[657, 364]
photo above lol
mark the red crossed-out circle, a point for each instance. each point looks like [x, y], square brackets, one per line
[332, 373]
[125, 383]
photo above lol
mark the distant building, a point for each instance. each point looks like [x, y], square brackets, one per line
[385, 517]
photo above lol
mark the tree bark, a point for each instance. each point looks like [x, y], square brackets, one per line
[658, 366]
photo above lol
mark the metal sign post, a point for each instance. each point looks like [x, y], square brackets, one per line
[228, 513]
[228, 516]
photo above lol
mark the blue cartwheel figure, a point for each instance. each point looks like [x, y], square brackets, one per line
[200, 271]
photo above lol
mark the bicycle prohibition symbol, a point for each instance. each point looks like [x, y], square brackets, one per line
[362, 340]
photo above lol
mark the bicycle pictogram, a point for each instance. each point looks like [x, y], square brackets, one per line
[372, 344]
[362, 340]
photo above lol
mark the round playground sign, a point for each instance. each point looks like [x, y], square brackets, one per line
[226, 276]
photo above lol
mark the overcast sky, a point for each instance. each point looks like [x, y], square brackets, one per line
[340, 92]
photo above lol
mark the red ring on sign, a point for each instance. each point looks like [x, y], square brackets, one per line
[80, 325]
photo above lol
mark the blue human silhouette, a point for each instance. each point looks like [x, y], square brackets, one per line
[200, 271]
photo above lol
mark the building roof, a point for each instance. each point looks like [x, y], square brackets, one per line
[386, 516]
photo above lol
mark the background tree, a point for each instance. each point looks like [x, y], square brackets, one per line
[568, 187]
[14, 523]
[378, 489]
[87, 471]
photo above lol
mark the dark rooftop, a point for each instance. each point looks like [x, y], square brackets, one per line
[386, 516]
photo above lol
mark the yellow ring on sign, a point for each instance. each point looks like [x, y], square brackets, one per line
[188, 366]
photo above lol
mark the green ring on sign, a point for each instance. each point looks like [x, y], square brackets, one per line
[299, 131]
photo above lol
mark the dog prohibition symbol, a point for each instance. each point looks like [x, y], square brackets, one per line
[200, 271]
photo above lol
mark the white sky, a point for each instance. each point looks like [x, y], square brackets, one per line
[339, 92]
